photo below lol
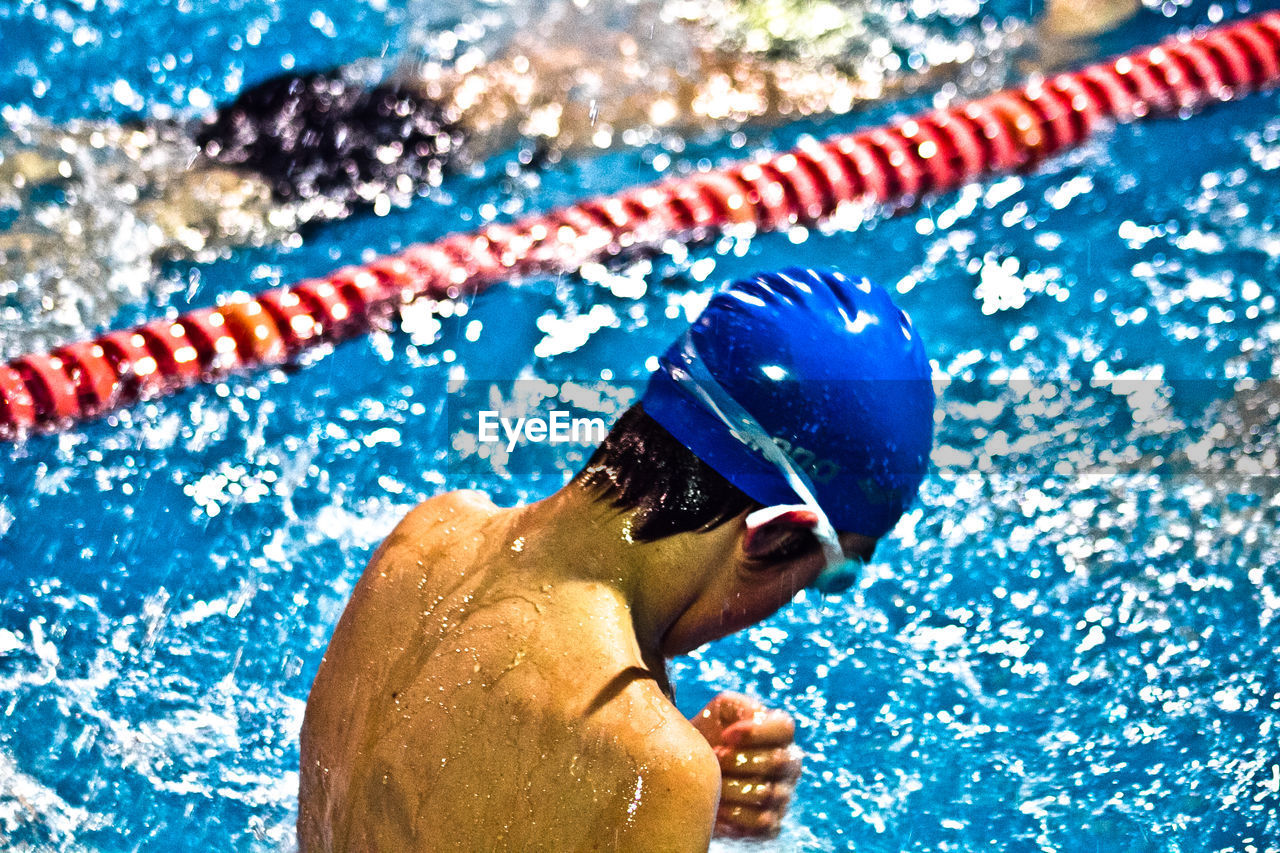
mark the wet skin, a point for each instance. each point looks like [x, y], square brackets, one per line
[497, 681]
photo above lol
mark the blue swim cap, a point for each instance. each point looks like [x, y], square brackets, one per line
[833, 372]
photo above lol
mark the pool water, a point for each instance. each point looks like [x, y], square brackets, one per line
[1070, 644]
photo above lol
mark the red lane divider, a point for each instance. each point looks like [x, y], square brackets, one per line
[1011, 130]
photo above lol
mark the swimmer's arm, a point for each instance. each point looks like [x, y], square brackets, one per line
[664, 773]
[537, 94]
[1080, 19]
[758, 90]
[675, 803]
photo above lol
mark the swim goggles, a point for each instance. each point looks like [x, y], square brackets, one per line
[838, 572]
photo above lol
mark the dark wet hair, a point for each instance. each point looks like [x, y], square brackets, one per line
[640, 466]
[319, 134]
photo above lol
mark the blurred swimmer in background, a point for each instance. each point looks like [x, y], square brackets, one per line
[315, 146]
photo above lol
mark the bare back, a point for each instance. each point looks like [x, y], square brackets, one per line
[464, 705]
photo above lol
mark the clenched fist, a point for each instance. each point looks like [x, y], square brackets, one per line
[759, 763]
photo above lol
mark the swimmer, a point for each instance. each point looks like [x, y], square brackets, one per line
[498, 679]
[591, 76]
[314, 146]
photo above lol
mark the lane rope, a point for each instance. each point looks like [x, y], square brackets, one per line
[1011, 130]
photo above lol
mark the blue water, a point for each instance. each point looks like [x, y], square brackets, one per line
[1070, 645]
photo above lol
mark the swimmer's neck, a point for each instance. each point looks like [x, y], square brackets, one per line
[579, 538]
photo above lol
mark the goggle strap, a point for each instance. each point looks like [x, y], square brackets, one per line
[695, 378]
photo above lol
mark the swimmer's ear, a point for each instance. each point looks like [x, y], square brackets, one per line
[778, 532]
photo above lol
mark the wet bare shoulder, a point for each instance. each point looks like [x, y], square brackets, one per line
[616, 699]
[659, 771]
[678, 785]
